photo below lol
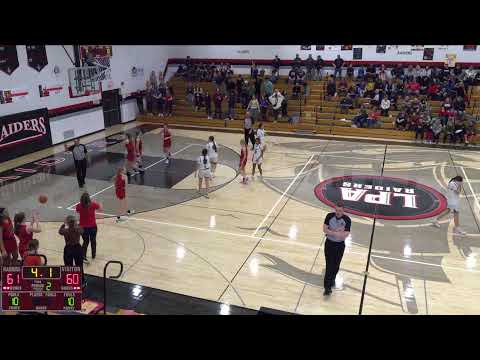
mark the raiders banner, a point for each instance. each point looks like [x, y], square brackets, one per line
[24, 133]
[8, 58]
[37, 56]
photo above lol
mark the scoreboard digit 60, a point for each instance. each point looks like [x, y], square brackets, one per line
[41, 288]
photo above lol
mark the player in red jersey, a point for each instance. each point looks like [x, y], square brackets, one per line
[167, 143]
[8, 243]
[120, 183]
[139, 148]
[243, 160]
[131, 156]
[31, 258]
[25, 231]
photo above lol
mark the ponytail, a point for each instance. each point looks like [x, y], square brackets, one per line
[212, 139]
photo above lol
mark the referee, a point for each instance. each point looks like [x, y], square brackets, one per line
[336, 227]
[79, 152]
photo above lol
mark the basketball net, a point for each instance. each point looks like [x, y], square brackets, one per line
[102, 64]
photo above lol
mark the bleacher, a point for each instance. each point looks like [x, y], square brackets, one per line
[318, 114]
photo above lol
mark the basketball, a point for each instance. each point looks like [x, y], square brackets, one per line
[42, 199]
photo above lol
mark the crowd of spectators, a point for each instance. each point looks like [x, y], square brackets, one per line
[256, 94]
[399, 93]
[376, 91]
[159, 96]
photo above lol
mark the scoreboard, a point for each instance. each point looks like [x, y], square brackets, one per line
[41, 288]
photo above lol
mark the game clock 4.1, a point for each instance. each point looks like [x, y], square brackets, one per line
[41, 288]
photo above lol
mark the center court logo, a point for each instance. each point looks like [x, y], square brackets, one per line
[382, 197]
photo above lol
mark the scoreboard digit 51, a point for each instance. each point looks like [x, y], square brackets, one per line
[41, 288]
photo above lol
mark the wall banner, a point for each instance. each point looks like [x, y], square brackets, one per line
[24, 133]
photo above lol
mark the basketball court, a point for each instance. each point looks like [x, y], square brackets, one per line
[261, 244]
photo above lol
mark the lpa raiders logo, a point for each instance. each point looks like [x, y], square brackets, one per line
[382, 197]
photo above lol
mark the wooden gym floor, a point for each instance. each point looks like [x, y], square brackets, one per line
[261, 244]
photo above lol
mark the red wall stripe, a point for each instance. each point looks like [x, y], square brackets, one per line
[327, 62]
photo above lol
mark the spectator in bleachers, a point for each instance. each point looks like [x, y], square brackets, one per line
[208, 105]
[296, 91]
[285, 104]
[338, 62]
[189, 92]
[350, 72]
[459, 105]
[437, 129]
[444, 73]
[416, 71]
[198, 98]
[292, 76]
[244, 98]
[253, 71]
[469, 131]
[345, 104]
[419, 126]
[375, 101]
[433, 90]
[264, 105]
[217, 101]
[331, 87]
[409, 73]
[157, 103]
[382, 73]
[168, 103]
[230, 85]
[460, 89]
[239, 84]
[342, 88]
[267, 87]
[369, 89]
[310, 65]
[370, 72]
[449, 130]
[261, 75]
[319, 63]
[276, 100]
[360, 120]
[361, 73]
[301, 75]
[251, 89]
[458, 71]
[385, 106]
[232, 100]
[372, 120]
[360, 89]
[469, 77]
[401, 121]
[274, 77]
[276, 63]
[297, 62]
[258, 87]
[254, 108]
[413, 87]
[446, 110]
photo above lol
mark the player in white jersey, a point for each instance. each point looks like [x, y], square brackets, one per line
[261, 134]
[203, 171]
[454, 189]
[212, 150]
[257, 157]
